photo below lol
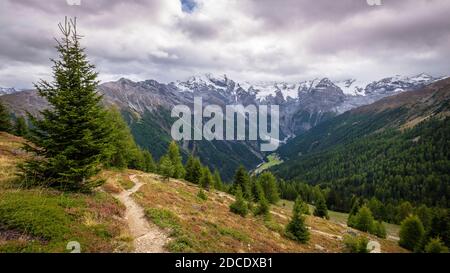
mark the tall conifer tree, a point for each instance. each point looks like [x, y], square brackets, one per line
[5, 120]
[70, 139]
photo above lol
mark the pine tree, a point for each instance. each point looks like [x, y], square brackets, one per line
[411, 232]
[269, 184]
[174, 155]
[21, 128]
[242, 180]
[296, 229]
[166, 167]
[239, 206]
[5, 120]
[206, 181]
[218, 184]
[321, 207]
[71, 138]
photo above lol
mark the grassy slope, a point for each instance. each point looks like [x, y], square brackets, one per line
[42, 220]
[208, 226]
[341, 218]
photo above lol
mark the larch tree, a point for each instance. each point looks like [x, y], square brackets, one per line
[173, 153]
[218, 184]
[206, 181]
[166, 168]
[269, 184]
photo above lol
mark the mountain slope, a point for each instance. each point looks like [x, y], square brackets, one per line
[147, 105]
[395, 149]
[45, 220]
[404, 109]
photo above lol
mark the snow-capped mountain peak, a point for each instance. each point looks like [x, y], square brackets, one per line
[264, 90]
[9, 90]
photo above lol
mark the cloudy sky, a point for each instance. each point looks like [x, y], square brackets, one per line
[286, 40]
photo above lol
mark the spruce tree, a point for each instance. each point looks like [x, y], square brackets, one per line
[321, 207]
[411, 232]
[70, 139]
[239, 206]
[173, 153]
[21, 128]
[296, 229]
[5, 120]
[218, 184]
[206, 181]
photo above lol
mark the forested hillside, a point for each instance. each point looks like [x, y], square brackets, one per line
[391, 156]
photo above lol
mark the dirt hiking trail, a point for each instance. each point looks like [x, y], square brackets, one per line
[148, 238]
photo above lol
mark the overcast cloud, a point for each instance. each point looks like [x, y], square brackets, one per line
[288, 40]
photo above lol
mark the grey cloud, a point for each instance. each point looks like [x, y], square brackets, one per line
[274, 39]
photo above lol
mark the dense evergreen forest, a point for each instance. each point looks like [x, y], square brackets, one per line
[391, 166]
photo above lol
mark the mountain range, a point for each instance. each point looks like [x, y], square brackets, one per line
[394, 149]
[146, 106]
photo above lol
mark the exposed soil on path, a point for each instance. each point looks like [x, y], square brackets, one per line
[148, 238]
